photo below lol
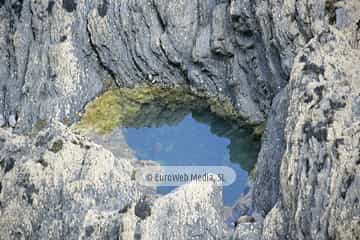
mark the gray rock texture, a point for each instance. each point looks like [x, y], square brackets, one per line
[266, 186]
[247, 231]
[52, 183]
[193, 211]
[319, 179]
[58, 55]
[291, 63]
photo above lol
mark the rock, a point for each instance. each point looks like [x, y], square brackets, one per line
[59, 55]
[143, 207]
[66, 191]
[245, 219]
[191, 211]
[319, 176]
[247, 231]
[2, 120]
[266, 186]
[12, 120]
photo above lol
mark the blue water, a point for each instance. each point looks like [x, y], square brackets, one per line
[193, 142]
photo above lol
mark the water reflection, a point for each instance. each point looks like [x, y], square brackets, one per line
[174, 136]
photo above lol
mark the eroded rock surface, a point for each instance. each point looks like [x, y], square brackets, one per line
[320, 170]
[58, 55]
[193, 211]
[50, 183]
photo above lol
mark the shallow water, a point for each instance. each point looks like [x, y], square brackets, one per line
[175, 127]
[198, 138]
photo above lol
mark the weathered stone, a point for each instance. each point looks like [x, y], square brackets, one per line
[319, 179]
[56, 56]
[192, 211]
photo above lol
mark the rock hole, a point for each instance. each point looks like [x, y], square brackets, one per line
[50, 7]
[313, 68]
[307, 166]
[89, 230]
[357, 162]
[63, 38]
[350, 179]
[330, 10]
[143, 208]
[17, 7]
[69, 5]
[29, 189]
[7, 164]
[43, 162]
[2, 143]
[103, 8]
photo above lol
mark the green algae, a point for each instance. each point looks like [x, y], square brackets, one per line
[57, 146]
[259, 130]
[129, 107]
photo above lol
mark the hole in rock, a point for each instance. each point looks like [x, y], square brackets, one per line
[177, 128]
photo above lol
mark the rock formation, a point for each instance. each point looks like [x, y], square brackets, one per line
[291, 64]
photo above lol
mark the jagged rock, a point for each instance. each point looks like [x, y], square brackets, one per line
[319, 178]
[53, 183]
[192, 211]
[58, 55]
[266, 186]
[247, 231]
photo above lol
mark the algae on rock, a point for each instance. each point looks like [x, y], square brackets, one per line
[145, 106]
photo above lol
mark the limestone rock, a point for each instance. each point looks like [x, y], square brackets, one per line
[193, 211]
[53, 183]
[319, 179]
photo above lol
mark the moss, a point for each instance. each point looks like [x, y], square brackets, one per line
[223, 108]
[57, 146]
[104, 113]
[40, 125]
[125, 106]
[259, 130]
[252, 174]
[121, 106]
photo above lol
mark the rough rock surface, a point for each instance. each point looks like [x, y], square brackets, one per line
[266, 186]
[247, 231]
[195, 204]
[320, 173]
[52, 182]
[57, 55]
